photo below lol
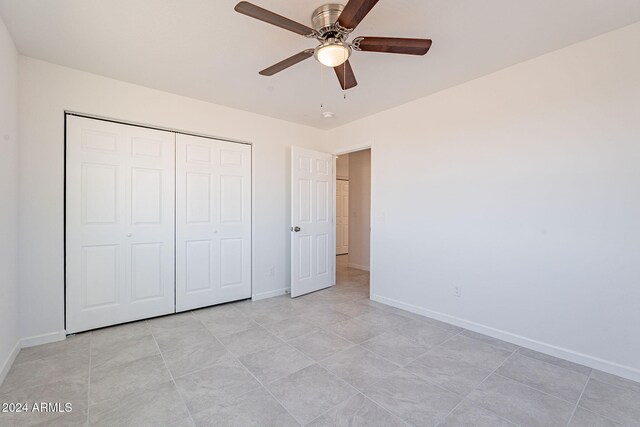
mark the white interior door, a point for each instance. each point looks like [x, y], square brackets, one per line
[119, 223]
[312, 230]
[213, 222]
[342, 217]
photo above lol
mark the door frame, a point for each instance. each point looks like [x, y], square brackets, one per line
[353, 149]
[155, 127]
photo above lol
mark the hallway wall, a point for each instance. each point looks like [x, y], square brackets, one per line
[359, 209]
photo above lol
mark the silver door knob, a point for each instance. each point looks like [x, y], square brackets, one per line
[129, 234]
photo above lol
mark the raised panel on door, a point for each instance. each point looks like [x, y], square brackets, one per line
[304, 206]
[322, 255]
[146, 271]
[231, 262]
[213, 235]
[146, 197]
[119, 223]
[198, 266]
[231, 208]
[99, 189]
[304, 245]
[197, 197]
[100, 281]
[312, 210]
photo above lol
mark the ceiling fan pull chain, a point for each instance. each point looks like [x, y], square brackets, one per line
[321, 86]
[344, 79]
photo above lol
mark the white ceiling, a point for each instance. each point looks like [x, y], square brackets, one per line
[205, 50]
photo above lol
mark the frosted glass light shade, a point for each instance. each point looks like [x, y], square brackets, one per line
[332, 54]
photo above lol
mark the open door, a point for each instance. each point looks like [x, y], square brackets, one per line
[312, 229]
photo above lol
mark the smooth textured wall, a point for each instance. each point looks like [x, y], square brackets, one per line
[9, 318]
[523, 189]
[47, 90]
[359, 208]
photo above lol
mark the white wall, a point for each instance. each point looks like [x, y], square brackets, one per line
[523, 188]
[342, 166]
[47, 90]
[8, 201]
[359, 208]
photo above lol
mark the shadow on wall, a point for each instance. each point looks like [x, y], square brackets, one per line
[359, 209]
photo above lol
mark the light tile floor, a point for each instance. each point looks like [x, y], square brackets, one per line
[330, 358]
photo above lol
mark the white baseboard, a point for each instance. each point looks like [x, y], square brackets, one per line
[29, 342]
[43, 339]
[552, 350]
[271, 294]
[4, 369]
[358, 266]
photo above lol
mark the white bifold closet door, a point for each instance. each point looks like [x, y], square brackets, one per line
[213, 221]
[119, 223]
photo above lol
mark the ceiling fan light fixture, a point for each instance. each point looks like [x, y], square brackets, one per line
[332, 53]
[331, 25]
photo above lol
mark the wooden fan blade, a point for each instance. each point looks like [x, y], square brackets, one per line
[394, 45]
[282, 65]
[265, 15]
[345, 76]
[354, 12]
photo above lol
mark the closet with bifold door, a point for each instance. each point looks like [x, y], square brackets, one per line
[156, 222]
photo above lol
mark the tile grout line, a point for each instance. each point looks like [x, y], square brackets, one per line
[353, 345]
[412, 360]
[237, 358]
[533, 388]
[233, 355]
[314, 362]
[260, 382]
[366, 397]
[617, 423]
[537, 389]
[616, 386]
[575, 408]
[431, 348]
[170, 374]
[450, 338]
[555, 365]
[422, 379]
[478, 386]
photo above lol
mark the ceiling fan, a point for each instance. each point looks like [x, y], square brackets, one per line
[332, 25]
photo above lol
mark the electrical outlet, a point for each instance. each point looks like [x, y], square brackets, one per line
[457, 291]
[272, 271]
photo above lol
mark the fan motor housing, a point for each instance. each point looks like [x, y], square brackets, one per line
[324, 20]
